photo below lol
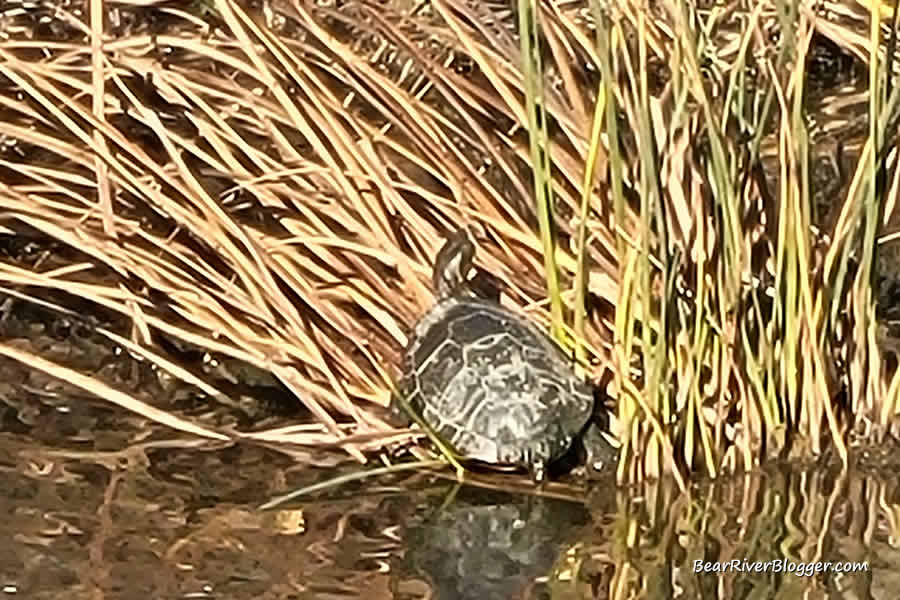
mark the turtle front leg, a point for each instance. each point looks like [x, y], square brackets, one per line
[538, 459]
[538, 472]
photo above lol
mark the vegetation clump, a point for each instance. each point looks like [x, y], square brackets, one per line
[692, 198]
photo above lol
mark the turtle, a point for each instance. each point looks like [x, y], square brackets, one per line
[489, 381]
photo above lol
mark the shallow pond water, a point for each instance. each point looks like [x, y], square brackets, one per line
[173, 518]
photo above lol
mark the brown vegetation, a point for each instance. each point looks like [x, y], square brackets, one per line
[270, 183]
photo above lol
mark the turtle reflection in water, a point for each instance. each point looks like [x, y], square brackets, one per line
[486, 545]
[490, 382]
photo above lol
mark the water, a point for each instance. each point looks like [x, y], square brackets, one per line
[172, 518]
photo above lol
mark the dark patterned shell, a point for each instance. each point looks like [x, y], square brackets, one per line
[493, 385]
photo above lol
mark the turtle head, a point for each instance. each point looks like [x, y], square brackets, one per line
[453, 262]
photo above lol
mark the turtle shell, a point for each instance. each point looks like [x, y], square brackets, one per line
[493, 385]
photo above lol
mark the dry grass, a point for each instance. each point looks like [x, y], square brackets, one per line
[280, 191]
[272, 187]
